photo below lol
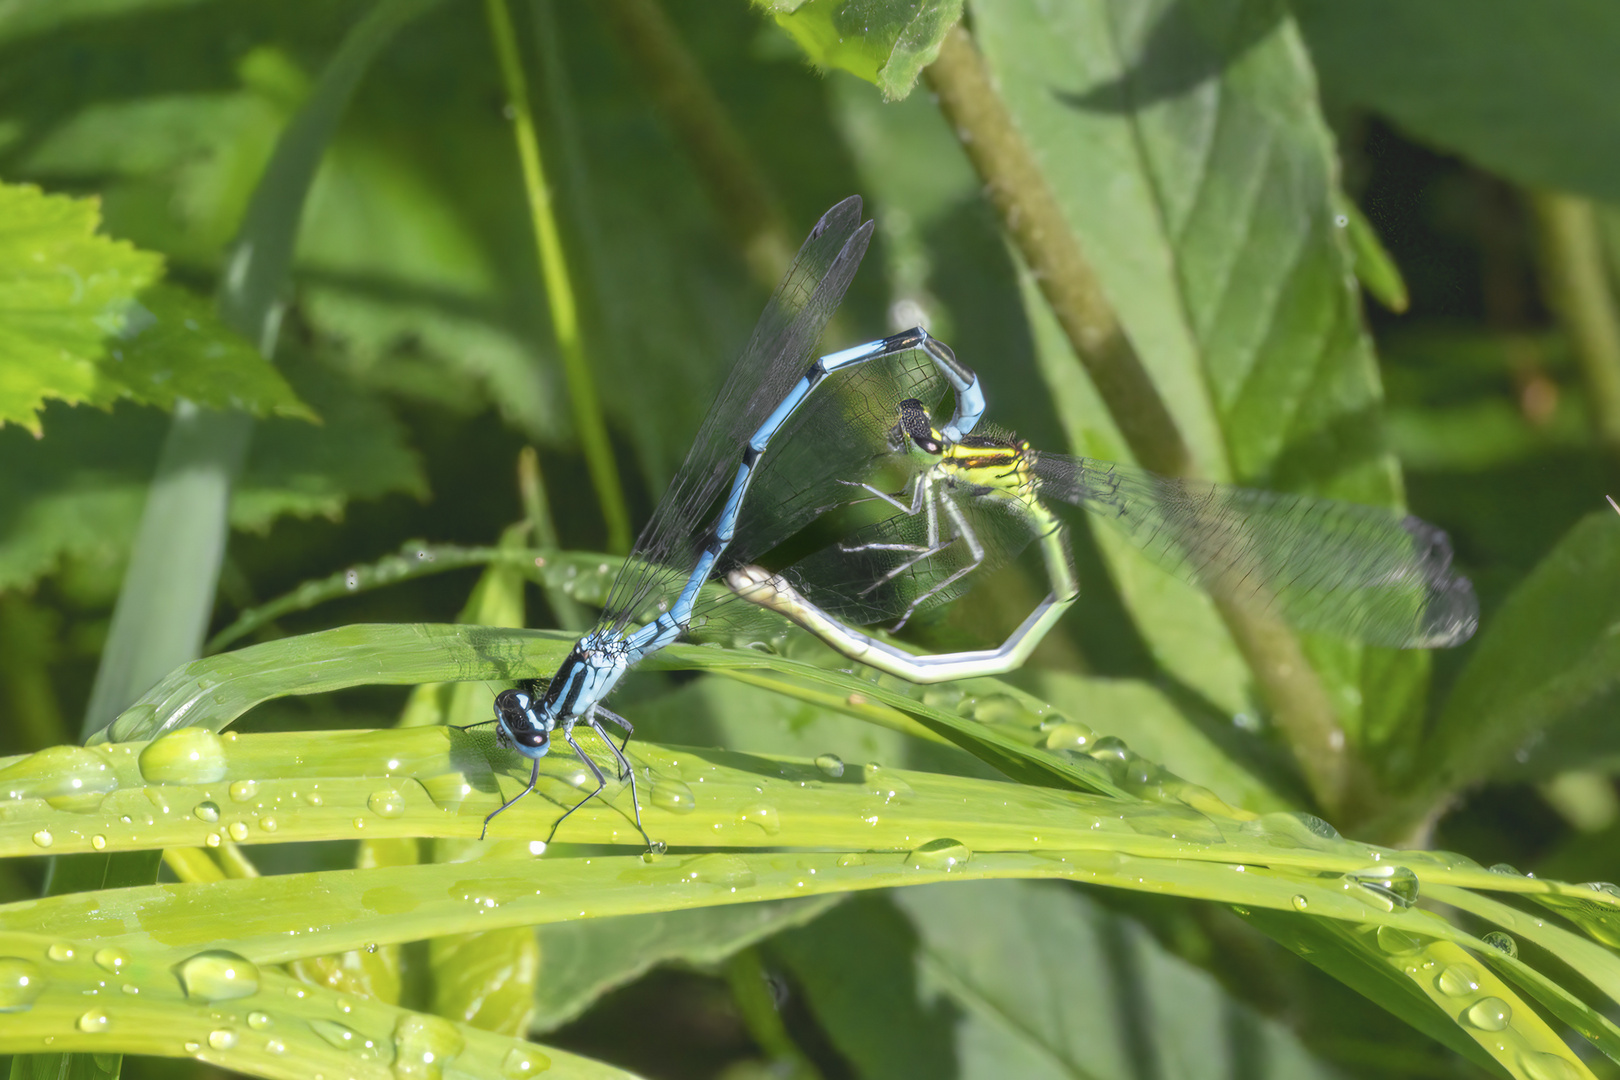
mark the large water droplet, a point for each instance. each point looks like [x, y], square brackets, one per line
[1069, 736]
[94, 1022]
[61, 951]
[942, 854]
[386, 803]
[259, 1021]
[1501, 942]
[1489, 1014]
[222, 1038]
[67, 777]
[133, 723]
[1391, 887]
[524, 1061]
[1398, 942]
[243, 790]
[43, 838]
[206, 811]
[238, 831]
[184, 756]
[21, 982]
[346, 1038]
[720, 869]
[1537, 1066]
[763, 815]
[1458, 980]
[111, 959]
[422, 1046]
[1506, 869]
[217, 975]
[671, 793]
[1316, 826]
[830, 764]
[1300, 902]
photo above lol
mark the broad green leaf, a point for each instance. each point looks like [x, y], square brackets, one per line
[77, 495]
[1038, 976]
[1477, 78]
[88, 323]
[1549, 656]
[1188, 155]
[582, 960]
[885, 42]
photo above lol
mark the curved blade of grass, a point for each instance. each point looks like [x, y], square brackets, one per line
[261, 1022]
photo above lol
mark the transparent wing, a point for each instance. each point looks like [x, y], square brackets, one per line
[896, 565]
[776, 356]
[841, 433]
[1362, 572]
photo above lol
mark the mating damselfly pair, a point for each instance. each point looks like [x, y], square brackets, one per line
[791, 439]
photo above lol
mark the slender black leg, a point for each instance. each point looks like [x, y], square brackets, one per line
[601, 781]
[469, 727]
[626, 770]
[619, 722]
[534, 775]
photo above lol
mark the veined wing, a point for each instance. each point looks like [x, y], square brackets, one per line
[1363, 572]
[776, 356]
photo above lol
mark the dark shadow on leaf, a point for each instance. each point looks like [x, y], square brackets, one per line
[1191, 44]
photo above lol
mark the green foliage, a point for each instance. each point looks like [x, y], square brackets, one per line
[88, 323]
[1117, 862]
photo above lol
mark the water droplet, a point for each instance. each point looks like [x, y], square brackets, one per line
[1536, 1066]
[1300, 903]
[67, 777]
[275, 1046]
[313, 798]
[830, 764]
[94, 1021]
[1069, 736]
[268, 824]
[1489, 1014]
[386, 803]
[1604, 887]
[720, 869]
[422, 1046]
[1501, 942]
[98, 842]
[524, 1061]
[763, 815]
[191, 1047]
[217, 975]
[885, 784]
[853, 858]
[43, 838]
[21, 982]
[671, 793]
[206, 811]
[345, 1038]
[259, 1021]
[222, 1038]
[61, 952]
[942, 854]
[134, 722]
[243, 790]
[1316, 825]
[184, 756]
[1505, 868]
[108, 1063]
[1398, 942]
[1391, 887]
[1458, 980]
[111, 959]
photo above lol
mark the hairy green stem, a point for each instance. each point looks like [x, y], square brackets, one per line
[1031, 215]
[736, 185]
[565, 323]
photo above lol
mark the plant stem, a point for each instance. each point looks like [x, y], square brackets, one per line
[564, 309]
[1577, 288]
[1034, 219]
[737, 186]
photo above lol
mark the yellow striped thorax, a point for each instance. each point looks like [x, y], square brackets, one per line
[991, 465]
